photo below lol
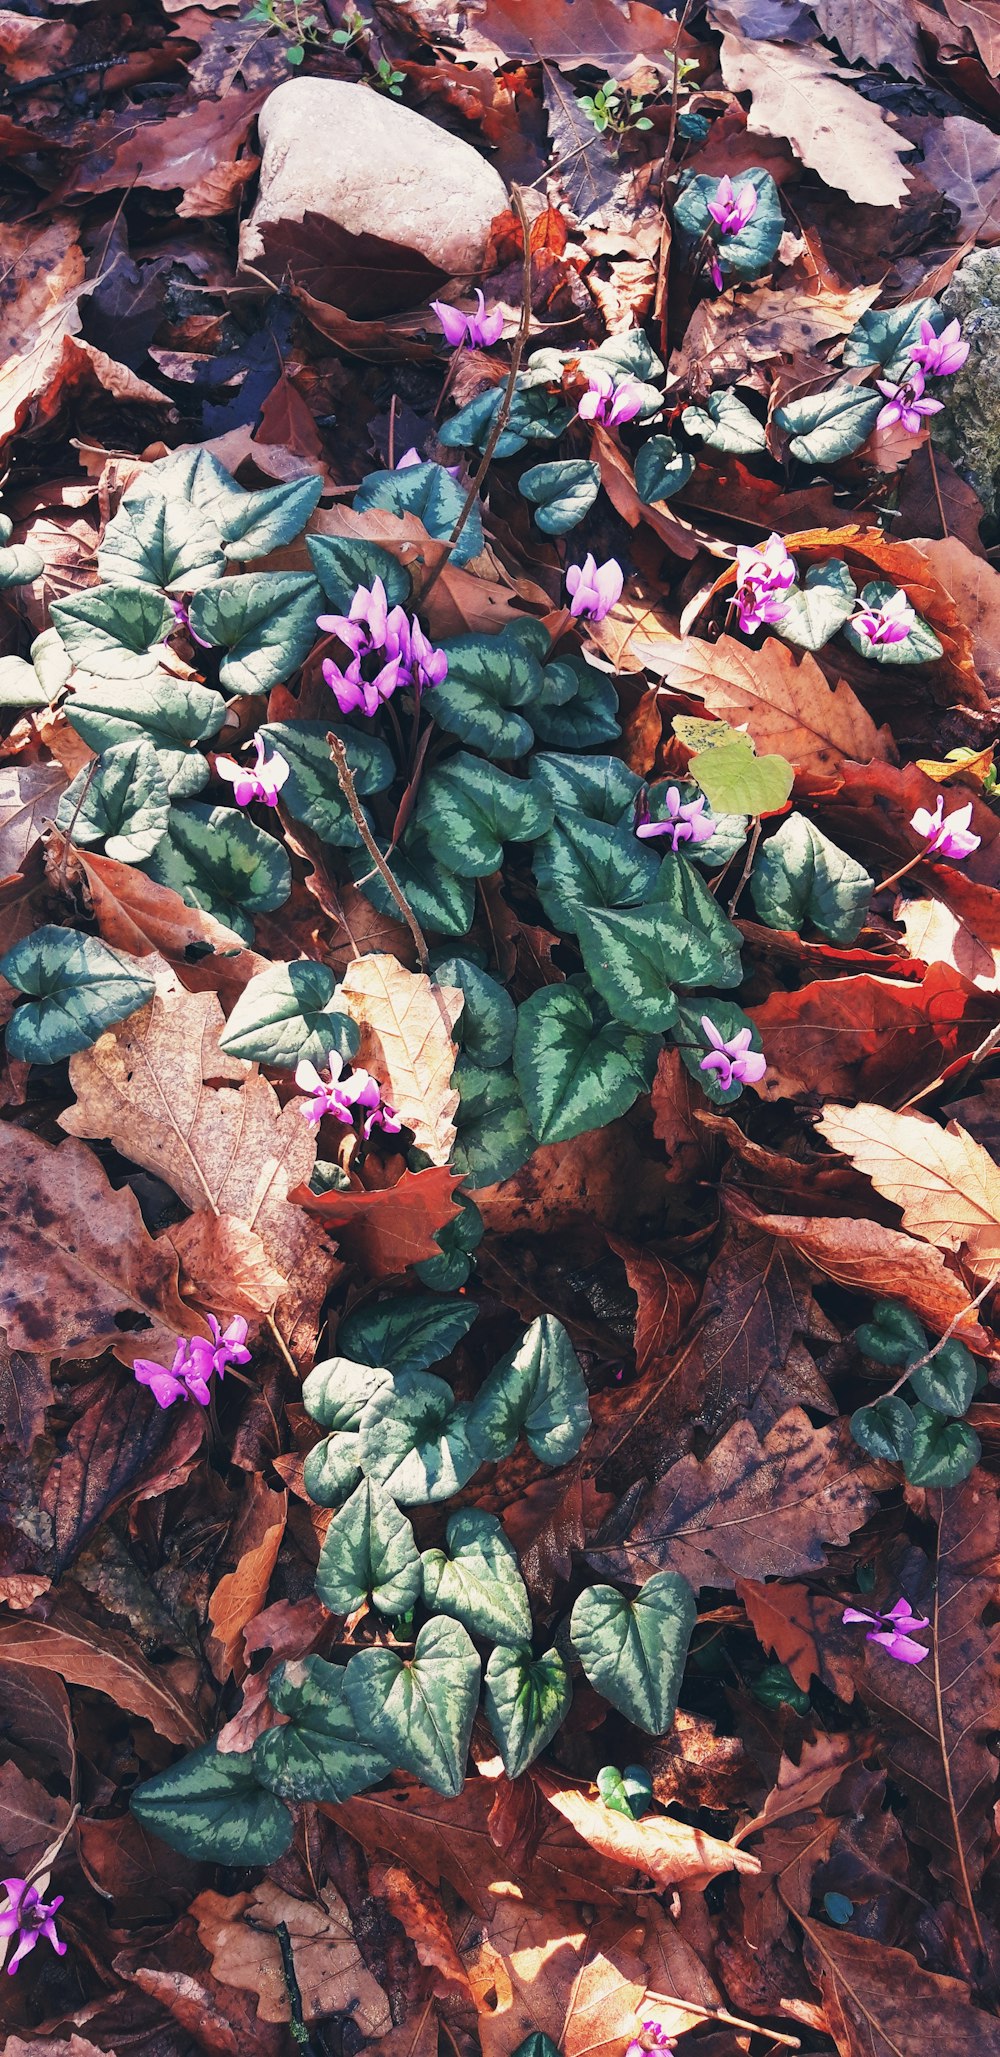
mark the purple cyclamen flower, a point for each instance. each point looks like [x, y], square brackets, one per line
[906, 403]
[764, 574]
[607, 402]
[683, 822]
[388, 651]
[340, 1097]
[892, 1630]
[655, 2035]
[183, 620]
[594, 588]
[947, 835]
[480, 330]
[731, 209]
[734, 1061]
[195, 1360]
[412, 456]
[890, 623]
[27, 1916]
[261, 782]
[940, 356]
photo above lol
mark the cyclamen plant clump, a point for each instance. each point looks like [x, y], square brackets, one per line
[390, 651]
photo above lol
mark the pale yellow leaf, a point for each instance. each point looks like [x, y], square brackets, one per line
[946, 1184]
[936, 935]
[406, 1023]
[801, 94]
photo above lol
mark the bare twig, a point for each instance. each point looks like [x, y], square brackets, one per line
[954, 1324]
[723, 2014]
[347, 787]
[506, 403]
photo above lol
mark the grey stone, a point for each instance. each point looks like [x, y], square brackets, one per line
[969, 429]
[361, 160]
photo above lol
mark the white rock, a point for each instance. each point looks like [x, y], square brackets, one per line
[357, 157]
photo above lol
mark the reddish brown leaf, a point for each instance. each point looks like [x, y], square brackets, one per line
[386, 1230]
[84, 1653]
[121, 1438]
[666, 1298]
[854, 1038]
[873, 1996]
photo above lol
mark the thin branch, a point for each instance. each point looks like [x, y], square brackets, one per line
[347, 787]
[954, 1324]
[506, 403]
[723, 2014]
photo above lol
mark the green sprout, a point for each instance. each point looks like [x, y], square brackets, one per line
[386, 80]
[288, 17]
[611, 113]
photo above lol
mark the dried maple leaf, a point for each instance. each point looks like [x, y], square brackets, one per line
[855, 1038]
[406, 1023]
[333, 1978]
[751, 1508]
[393, 1226]
[805, 1631]
[76, 1256]
[880, 2003]
[947, 1185]
[801, 94]
[783, 702]
[671, 1852]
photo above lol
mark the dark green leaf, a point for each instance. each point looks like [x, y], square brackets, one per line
[408, 1332]
[884, 334]
[824, 427]
[819, 607]
[172, 714]
[441, 902]
[468, 810]
[944, 1452]
[526, 1700]
[628, 1792]
[800, 876]
[661, 470]
[318, 1755]
[573, 1075]
[77, 985]
[218, 860]
[419, 1714]
[494, 1136]
[287, 1013]
[415, 1440]
[343, 563]
[561, 493]
[264, 620]
[369, 1553]
[153, 541]
[537, 1389]
[894, 1336]
[312, 792]
[726, 423]
[114, 632]
[212, 1807]
[486, 1025]
[332, 1469]
[886, 1429]
[456, 1241]
[948, 1381]
[337, 1390]
[602, 788]
[475, 1579]
[488, 678]
[430, 492]
[121, 802]
[587, 715]
[633, 1651]
[585, 864]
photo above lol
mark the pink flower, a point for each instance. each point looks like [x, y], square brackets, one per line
[480, 329]
[27, 1916]
[263, 782]
[426, 665]
[890, 623]
[941, 355]
[183, 620]
[389, 651]
[341, 1098]
[731, 209]
[655, 2034]
[594, 588]
[605, 401]
[734, 1061]
[764, 574]
[947, 835]
[905, 403]
[683, 822]
[195, 1360]
[357, 695]
[892, 1630]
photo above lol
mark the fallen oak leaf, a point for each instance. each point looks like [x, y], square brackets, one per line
[804, 1629]
[671, 1852]
[802, 95]
[423, 1918]
[947, 1185]
[333, 1978]
[544, 1968]
[393, 1226]
[783, 701]
[406, 1022]
[136, 914]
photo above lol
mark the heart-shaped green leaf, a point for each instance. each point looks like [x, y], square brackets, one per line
[218, 860]
[476, 1579]
[629, 960]
[748, 254]
[561, 493]
[661, 470]
[893, 1336]
[264, 620]
[726, 423]
[589, 714]
[573, 1075]
[172, 714]
[468, 810]
[288, 1013]
[489, 677]
[538, 1388]
[693, 1043]
[252, 524]
[628, 1792]
[824, 427]
[885, 1430]
[430, 492]
[19, 562]
[77, 985]
[369, 1553]
[494, 1135]
[441, 901]
[343, 563]
[337, 1391]
[20, 686]
[583, 863]
[947, 1381]
[318, 1755]
[332, 1469]
[419, 1712]
[800, 876]
[415, 1440]
[944, 1452]
[735, 780]
[602, 788]
[486, 1025]
[526, 1700]
[121, 802]
[153, 541]
[884, 334]
[921, 646]
[212, 1807]
[819, 607]
[114, 632]
[456, 1241]
[312, 792]
[633, 1651]
[408, 1332]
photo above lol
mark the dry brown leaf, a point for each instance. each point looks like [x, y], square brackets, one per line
[738, 330]
[868, 1258]
[136, 914]
[753, 1508]
[962, 158]
[947, 1185]
[935, 934]
[223, 1262]
[423, 1918]
[974, 586]
[29, 797]
[543, 1968]
[876, 31]
[854, 1038]
[802, 95]
[982, 17]
[332, 1975]
[232, 1147]
[675, 1968]
[668, 1851]
[42, 276]
[876, 1996]
[406, 1023]
[66, 1227]
[390, 1227]
[84, 1653]
[784, 702]
[241, 1594]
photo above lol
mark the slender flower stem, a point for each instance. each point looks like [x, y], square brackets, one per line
[903, 869]
[347, 787]
[506, 403]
